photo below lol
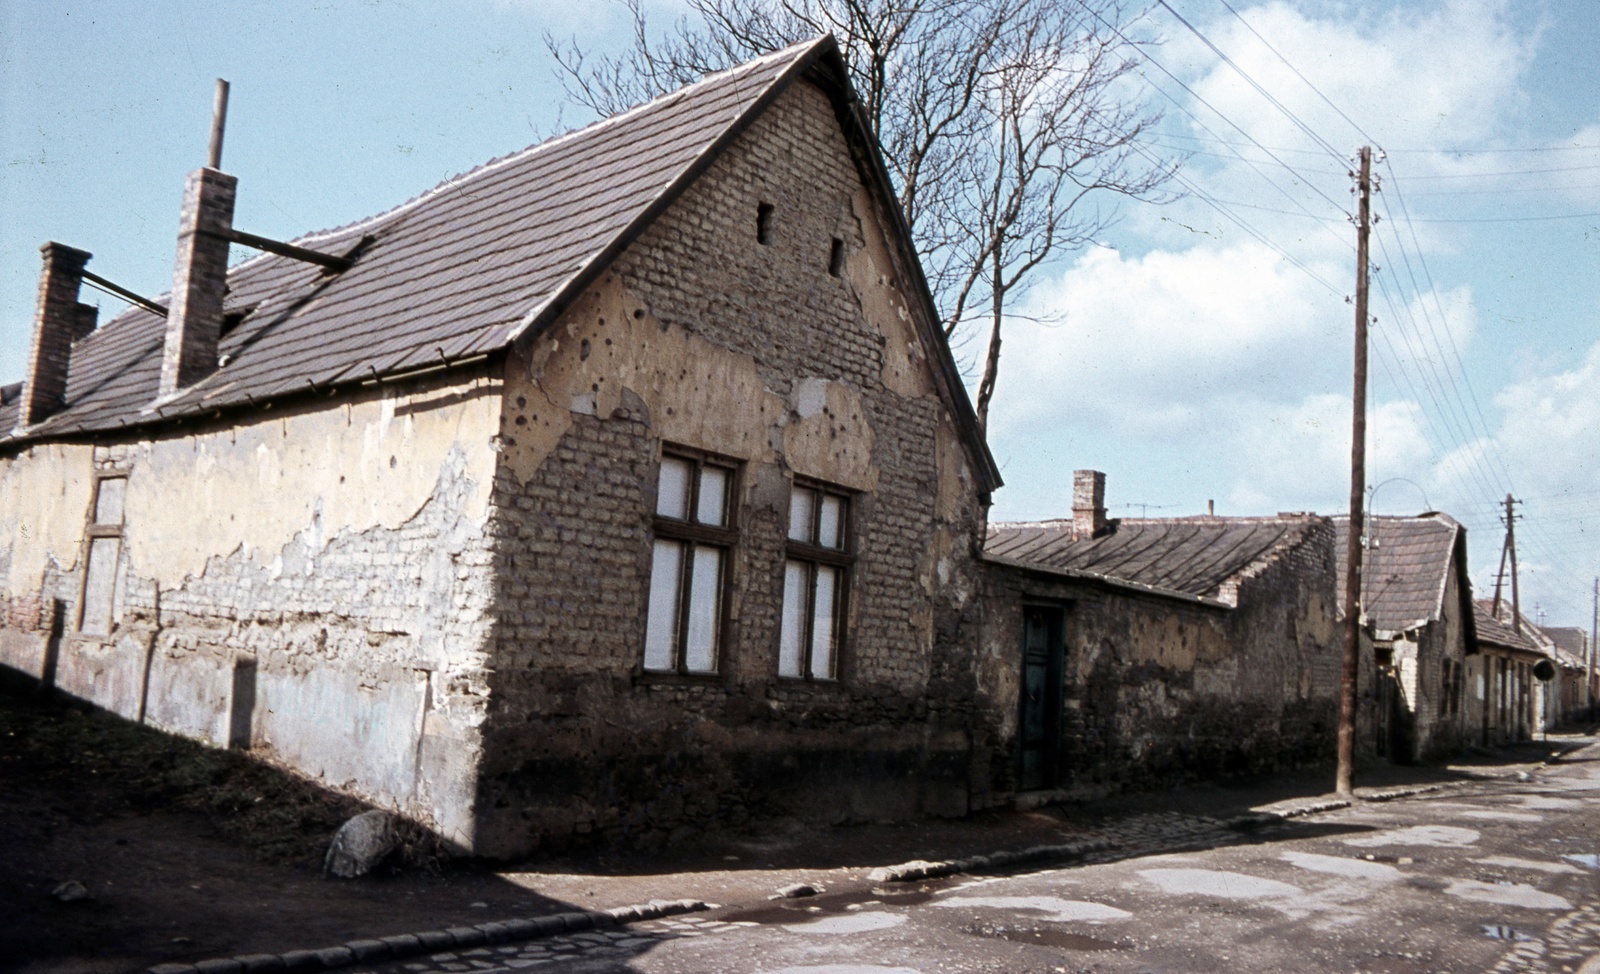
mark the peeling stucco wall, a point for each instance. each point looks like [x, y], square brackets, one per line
[312, 583]
[1157, 690]
[700, 337]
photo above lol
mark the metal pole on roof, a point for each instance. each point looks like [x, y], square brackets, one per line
[219, 119]
[1345, 771]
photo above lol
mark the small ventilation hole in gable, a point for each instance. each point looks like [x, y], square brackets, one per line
[764, 223]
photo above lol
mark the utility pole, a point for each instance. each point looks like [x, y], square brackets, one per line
[1511, 543]
[1500, 577]
[1594, 639]
[1358, 482]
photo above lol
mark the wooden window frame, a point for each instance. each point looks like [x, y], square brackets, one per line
[692, 535]
[92, 531]
[813, 555]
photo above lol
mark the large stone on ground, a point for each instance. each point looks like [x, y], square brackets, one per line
[360, 844]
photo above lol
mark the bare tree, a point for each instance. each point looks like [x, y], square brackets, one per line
[1001, 121]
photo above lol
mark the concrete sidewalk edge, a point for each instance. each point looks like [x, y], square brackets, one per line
[405, 945]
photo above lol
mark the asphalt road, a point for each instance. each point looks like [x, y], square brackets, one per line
[1489, 876]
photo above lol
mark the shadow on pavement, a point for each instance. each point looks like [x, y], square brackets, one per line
[188, 852]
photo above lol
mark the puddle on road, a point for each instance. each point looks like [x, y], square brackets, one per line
[1434, 835]
[1219, 883]
[1502, 816]
[1043, 937]
[1512, 862]
[1056, 909]
[804, 909]
[1586, 859]
[1496, 932]
[1507, 894]
[1550, 802]
[1342, 866]
[849, 923]
[847, 970]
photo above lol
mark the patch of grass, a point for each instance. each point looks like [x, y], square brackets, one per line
[112, 767]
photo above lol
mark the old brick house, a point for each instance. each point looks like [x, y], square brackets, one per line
[1419, 634]
[622, 484]
[1153, 650]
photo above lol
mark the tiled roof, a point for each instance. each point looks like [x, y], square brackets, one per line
[1407, 566]
[1194, 556]
[1572, 644]
[456, 272]
[1498, 631]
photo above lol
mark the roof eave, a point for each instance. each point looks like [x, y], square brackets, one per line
[1109, 581]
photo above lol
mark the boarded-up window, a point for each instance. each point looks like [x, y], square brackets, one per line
[102, 554]
[815, 582]
[689, 564]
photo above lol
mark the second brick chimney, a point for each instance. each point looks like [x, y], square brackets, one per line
[199, 281]
[58, 321]
[1088, 504]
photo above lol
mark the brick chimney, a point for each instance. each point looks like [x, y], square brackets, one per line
[194, 319]
[1088, 504]
[58, 321]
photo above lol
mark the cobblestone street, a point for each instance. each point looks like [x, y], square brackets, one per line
[1499, 875]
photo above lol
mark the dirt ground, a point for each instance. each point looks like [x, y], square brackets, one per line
[190, 852]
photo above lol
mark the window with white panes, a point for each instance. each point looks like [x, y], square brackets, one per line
[98, 604]
[689, 564]
[816, 575]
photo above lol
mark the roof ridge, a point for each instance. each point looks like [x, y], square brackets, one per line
[475, 173]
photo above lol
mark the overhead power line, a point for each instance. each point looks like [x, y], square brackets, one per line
[1252, 82]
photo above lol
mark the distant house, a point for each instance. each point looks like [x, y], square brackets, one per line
[1508, 705]
[1573, 699]
[1153, 650]
[1417, 614]
[620, 486]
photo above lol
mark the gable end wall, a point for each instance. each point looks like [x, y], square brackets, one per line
[699, 336]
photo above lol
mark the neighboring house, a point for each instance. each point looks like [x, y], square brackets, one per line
[1566, 696]
[1417, 616]
[622, 485]
[1507, 704]
[1130, 652]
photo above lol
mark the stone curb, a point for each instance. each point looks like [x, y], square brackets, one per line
[923, 869]
[405, 945]
[1393, 793]
[1261, 819]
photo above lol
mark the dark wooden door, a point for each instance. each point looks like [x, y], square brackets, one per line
[1039, 728]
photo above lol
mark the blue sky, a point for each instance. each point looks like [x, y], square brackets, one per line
[1190, 358]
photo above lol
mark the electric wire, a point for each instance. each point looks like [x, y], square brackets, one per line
[1326, 100]
[1197, 97]
[1291, 116]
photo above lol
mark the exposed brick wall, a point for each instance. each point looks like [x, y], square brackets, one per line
[59, 320]
[199, 281]
[580, 740]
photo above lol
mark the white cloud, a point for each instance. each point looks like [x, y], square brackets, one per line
[1435, 75]
[1147, 344]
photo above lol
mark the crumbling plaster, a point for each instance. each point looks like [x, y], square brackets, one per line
[309, 474]
[44, 500]
[312, 583]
